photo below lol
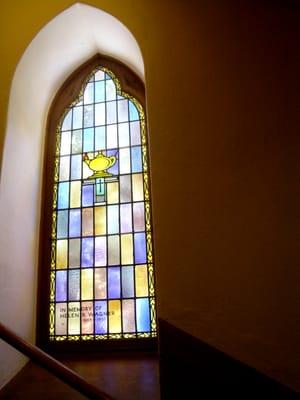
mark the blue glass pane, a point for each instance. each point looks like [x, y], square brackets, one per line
[74, 285]
[115, 168]
[136, 159]
[100, 317]
[62, 224]
[87, 252]
[111, 112]
[99, 91]
[75, 225]
[77, 117]
[63, 195]
[110, 90]
[140, 248]
[127, 282]
[76, 163]
[100, 138]
[66, 126]
[142, 315]
[88, 140]
[114, 283]
[113, 219]
[61, 286]
[77, 141]
[107, 76]
[133, 113]
[87, 195]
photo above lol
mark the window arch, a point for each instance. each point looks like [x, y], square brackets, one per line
[97, 276]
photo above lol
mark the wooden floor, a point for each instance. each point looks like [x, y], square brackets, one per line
[123, 377]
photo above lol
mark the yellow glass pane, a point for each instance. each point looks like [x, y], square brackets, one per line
[128, 316]
[114, 312]
[86, 284]
[87, 222]
[60, 318]
[61, 254]
[87, 317]
[126, 249]
[141, 281]
[112, 192]
[100, 220]
[137, 187]
[75, 194]
[74, 318]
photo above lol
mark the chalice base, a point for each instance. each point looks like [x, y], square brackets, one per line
[99, 174]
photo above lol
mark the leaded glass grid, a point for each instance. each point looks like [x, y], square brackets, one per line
[101, 272]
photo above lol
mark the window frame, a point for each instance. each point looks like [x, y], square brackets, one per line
[66, 95]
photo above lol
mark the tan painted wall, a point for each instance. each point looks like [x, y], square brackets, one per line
[221, 90]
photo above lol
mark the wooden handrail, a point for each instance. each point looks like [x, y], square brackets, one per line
[51, 364]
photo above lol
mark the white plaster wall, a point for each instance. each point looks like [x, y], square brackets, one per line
[61, 46]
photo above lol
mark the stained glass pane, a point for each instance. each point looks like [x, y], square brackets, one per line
[114, 310]
[87, 252]
[123, 134]
[101, 257]
[74, 285]
[127, 282]
[126, 218]
[74, 318]
[63, 195]
[75, 223]
[140, 248]
[64, 168]
[112, 219]
[77, 117]
[141, 281]
[133, 113]
[110, 90]
[136, 156]
[128, 310]
[75, 195]
[77, 141]
[61, 318]
[112, 137]
[87, 317]
[99, 92]
[100, 138]
[66, 126]
[100, 283]
[135, 133]
[100, 251]
[61, 254]
[114, 283]
[74, 253]
[142, 315]
[87, 284]
[62, 224]
[100, 317]
[139, 216]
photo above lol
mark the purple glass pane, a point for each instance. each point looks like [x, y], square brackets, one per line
[87, 195]
[61, 286]
[115, 168]
[126, 218]
[139, 216]
[100, 251]
[140, 248]
[100, 317]
[114, 283]
[75, 226]
[87, 251]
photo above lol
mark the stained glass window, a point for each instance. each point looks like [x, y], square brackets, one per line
[102, 277]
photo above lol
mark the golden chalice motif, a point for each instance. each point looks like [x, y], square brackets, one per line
[99, 164]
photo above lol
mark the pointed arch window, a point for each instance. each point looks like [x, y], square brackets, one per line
[97, 258]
